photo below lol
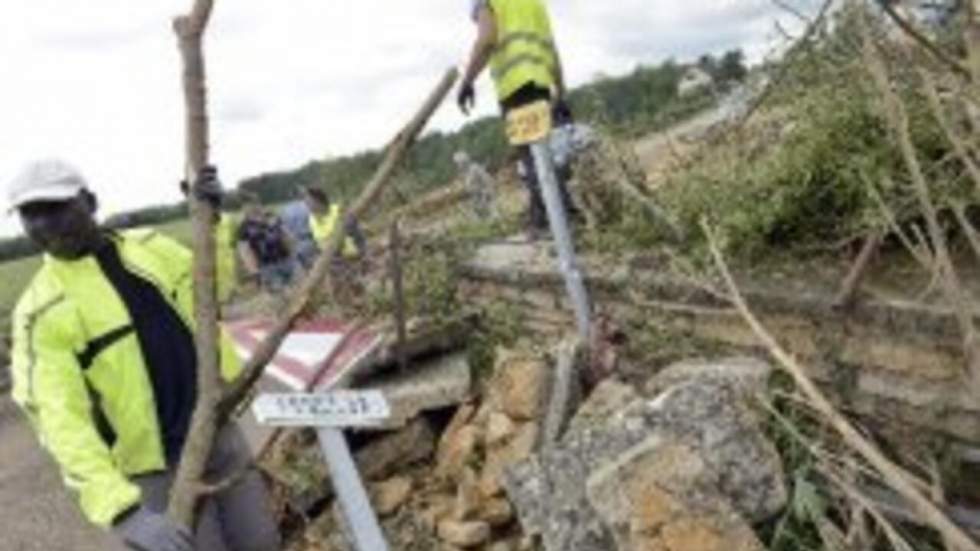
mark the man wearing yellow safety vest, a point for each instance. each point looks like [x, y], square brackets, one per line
[514, 37]
[325, 219]
[104, 366]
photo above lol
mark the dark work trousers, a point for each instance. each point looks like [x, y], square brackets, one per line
[235, 519]
[527, 94]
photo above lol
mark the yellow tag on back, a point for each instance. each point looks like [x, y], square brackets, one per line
[529, 123]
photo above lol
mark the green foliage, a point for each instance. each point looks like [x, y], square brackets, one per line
[802, 175]
[640, 102]
[791, 428]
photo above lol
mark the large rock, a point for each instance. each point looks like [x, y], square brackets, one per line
[706, 411]
[661, 495]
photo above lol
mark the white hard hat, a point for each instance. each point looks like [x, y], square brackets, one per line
[44, 180]
[461, 158]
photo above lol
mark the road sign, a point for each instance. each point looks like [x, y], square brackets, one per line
[316, 355]
[319, 356]
[339, 408]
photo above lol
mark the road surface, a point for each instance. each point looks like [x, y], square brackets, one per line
[36, 512]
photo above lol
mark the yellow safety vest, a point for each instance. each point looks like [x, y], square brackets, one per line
[322, 227]
[525, 50]
[76, 363]
[224, 242]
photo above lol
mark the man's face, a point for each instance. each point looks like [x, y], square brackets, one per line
[63, 229]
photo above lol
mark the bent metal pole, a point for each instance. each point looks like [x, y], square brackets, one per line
[558, 221]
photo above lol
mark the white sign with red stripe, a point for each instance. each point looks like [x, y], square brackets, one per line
[315, 355]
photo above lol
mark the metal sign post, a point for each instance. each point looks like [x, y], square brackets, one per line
[329, 412]
[531, 125]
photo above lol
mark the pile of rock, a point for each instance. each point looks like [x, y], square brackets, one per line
[435, 491]
[481, 442]
[678, 465]
[686, 469]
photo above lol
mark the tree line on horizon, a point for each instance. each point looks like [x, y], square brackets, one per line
[646, 100]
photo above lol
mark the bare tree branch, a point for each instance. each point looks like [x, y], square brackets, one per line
[784, 67]
[921, 39]
[184, 495]
[319, 273]
[896, 478]
[959, 211]
[957, 299]
[959, 146]
[845, 297]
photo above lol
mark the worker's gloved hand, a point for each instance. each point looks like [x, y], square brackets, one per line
[466, 98]
[145, 530]
[208, 186]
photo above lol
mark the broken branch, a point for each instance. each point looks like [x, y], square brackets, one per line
[319, 273]
[890, 472]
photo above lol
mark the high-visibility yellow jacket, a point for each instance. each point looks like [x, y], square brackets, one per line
[77, 368]
[224, 243]
[525, 50]
[322, 227]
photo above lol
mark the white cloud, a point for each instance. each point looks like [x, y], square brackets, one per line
[97, 83]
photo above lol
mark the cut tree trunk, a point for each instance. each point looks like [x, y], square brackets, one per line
[190, 32]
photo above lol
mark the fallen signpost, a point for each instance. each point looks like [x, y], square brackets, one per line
[531, 126]
[314, 350]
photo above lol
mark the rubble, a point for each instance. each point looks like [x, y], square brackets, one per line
[683, 467]
[393, 451]
[520, 386]
[464, 533]
[707, 413]
[388, 496]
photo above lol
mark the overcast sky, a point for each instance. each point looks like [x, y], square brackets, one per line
[97, 83]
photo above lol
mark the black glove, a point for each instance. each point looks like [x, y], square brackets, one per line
[207, 186]
[146, 530]
[562, 113]
[466, 98]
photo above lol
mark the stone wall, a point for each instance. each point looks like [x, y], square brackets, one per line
[896, 361]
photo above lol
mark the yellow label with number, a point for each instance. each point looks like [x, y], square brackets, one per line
[529, 123]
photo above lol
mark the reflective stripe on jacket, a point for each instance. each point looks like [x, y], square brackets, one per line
[79, 373]
[525, 50]
[322, 227]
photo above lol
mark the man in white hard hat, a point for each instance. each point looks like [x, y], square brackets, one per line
[104, 366]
